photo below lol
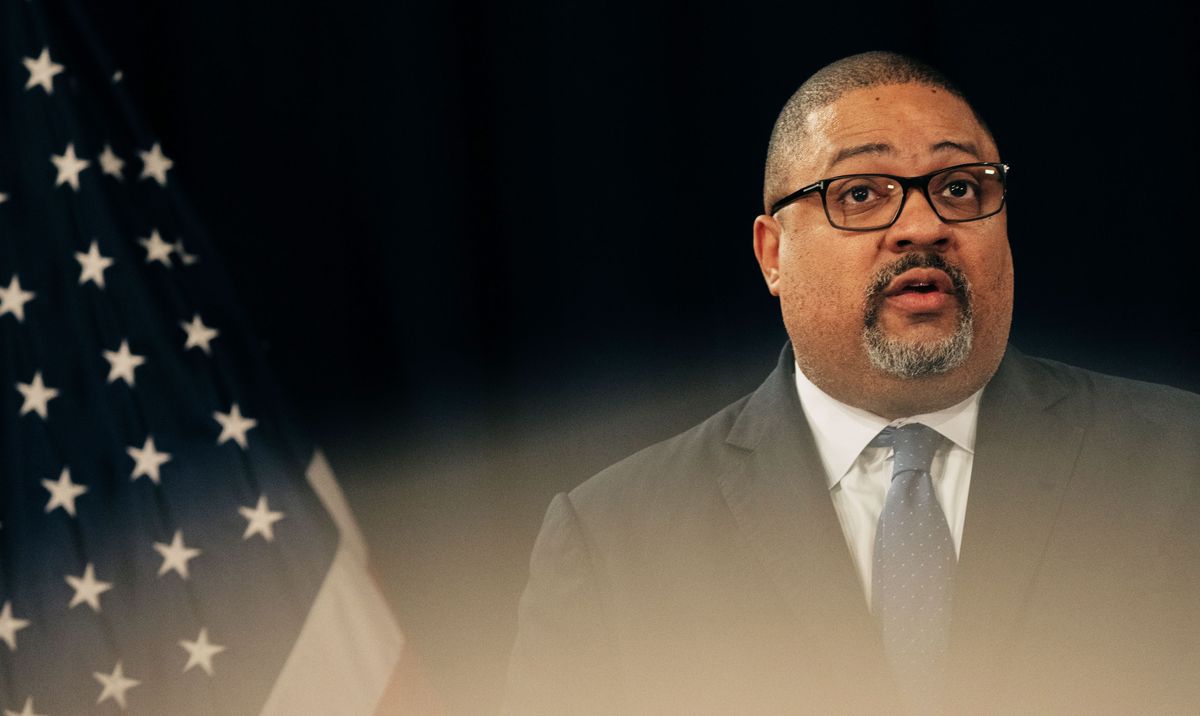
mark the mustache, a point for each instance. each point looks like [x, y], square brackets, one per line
[960, 287]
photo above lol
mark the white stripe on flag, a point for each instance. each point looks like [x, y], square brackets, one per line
[350, 644]
[320, 477]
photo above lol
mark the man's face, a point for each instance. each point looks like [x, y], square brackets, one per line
[858, 334]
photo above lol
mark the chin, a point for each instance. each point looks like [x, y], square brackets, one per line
[918, 359]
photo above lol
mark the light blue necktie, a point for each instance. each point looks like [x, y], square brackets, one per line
[912, 582]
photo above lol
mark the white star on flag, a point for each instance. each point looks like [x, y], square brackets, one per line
[87, 588]
[14, 298]
[233, 426]
[41, 71]
[69, 166]
[115, 685]
[200, 652]
[261, 520]
[155, 165]
[92, 265]
[175, 555]
[111, 164]
[27, 711]
[156, 248]
[198, 334]
[147, 460]
[122, 363]
[37, 395]
[63, 493]
[10, 625]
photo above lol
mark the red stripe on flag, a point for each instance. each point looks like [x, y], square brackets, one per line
[409, 692]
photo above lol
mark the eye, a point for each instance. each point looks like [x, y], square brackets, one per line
[960, 185]
[960, 189]
[967, 192]
[861, 192]
[861, 196]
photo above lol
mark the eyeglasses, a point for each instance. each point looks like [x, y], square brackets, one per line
[868, 202]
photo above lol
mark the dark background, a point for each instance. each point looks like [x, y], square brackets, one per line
[491, 249]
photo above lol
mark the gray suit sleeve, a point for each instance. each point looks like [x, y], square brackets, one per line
[563, 660]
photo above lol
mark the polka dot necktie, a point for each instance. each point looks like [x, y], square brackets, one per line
[912, 578]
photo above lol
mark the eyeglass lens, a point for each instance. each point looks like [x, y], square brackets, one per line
[959, 194]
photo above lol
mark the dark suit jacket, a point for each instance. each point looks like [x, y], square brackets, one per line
[709, 574]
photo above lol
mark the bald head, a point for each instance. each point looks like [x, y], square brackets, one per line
[830, 83]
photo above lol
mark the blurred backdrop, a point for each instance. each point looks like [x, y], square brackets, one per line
[491, 248]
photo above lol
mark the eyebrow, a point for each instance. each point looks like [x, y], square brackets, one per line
[848, 152]
[879, 148]
[964, 147]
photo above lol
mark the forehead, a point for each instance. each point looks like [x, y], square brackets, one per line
[904, 128]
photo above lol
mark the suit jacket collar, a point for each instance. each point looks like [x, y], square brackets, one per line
[776, 490]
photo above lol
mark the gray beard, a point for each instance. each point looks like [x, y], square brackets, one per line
[918, 360]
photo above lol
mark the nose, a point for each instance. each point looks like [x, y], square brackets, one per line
[918, 227]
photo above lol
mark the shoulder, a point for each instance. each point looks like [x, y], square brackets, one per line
[1120, 420]
[666, 472]
[1100, 396]
[670, 498]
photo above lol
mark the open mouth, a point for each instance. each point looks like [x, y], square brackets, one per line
[920, 280]
[921, 291]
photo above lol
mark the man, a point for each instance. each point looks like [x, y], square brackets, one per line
[908, 514]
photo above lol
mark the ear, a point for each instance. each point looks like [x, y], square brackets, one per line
[767, 230]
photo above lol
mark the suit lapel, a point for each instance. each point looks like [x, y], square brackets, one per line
[776, 489]
[1024, 456]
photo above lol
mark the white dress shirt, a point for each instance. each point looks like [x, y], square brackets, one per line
[858, 476]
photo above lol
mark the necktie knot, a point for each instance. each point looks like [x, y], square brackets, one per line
[913, 444]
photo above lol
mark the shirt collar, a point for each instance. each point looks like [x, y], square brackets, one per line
[842, 431]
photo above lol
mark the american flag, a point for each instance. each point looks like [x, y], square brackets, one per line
[167, 545]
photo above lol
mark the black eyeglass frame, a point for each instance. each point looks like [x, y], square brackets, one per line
[906, 183]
